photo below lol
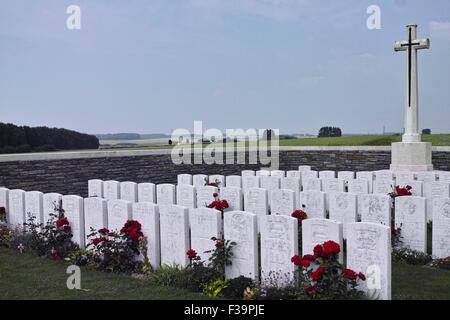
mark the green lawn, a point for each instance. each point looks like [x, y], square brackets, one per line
[436, 140]
[26, 276]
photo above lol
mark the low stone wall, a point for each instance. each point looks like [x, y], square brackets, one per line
[68, 172]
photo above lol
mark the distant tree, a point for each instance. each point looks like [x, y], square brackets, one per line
[170, 142]
[329, 132]
[25, 139]
[426, 131]
[119, 136]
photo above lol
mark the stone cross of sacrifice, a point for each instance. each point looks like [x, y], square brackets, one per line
[411, 45]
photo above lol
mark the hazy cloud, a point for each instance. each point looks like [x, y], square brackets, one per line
[440, 30]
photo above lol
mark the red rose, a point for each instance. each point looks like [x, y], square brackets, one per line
[330, 248]
[62, 222]
[191, 254]
[67, 228]
[296, 260]
[96, 241]
[362, 276]
[215, 194]
[111, 234]
[305, 263]
[219, 244]
[103, 231]
[312, 289]
[224, 204]
[56, 254]
[393, 230]
[349, 274]
[318, 251]
[2, 211]
[309, 257]
[316, 275]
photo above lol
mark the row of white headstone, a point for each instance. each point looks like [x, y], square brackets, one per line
[172, 230]
[411, 213]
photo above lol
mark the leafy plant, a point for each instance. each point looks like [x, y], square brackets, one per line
[221, 255]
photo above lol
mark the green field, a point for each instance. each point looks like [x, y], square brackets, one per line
[436, 140]
[26, 276]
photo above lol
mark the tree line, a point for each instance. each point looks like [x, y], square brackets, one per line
[21, 139]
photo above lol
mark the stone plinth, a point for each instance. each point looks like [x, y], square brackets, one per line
[411, 156]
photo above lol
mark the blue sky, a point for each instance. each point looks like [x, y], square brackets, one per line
[150, 66]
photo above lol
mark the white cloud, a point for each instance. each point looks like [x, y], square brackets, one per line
[440, 30]
[275, 9]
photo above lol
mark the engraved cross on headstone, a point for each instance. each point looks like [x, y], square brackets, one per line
[411, 45]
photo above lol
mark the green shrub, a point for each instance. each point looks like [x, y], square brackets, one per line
[409, 256]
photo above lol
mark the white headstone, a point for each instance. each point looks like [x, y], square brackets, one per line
[426, 176]
[241, 227]
[119, 212]
[34, 205]
[52, 201]
[199, 180]
[4, 200]
[246, 173]
[433, 190]
[368, 175]
[186, 196]
[74, 211]
[279, 243]
[205, 195]
[256, 200]
[270, 182]
[403, 176]
[262, 173]
[205, 224]
[147, 192]
[444, 176]
[95, 214]
[278, 173]
[333, 185]
[441, 227]
[95, 188]
[174, 231]
[249, 182]
[343, 208]
[314, 202]
[312, 184]
[129, 191]
[294, 174]
[111, 190]
[282, 201]
[291, 183]
[384, 175]
[184, 179]
[383, 186]
[327, 174]
[310, 174]
[358, 186]
[217, 178]
[233, 196]
[165, 194]
[233, 181]
[304, 168]
[369, 252]
[318, 231]
[147, 214]
[346, 175]
[376, 208]
[16, 208]
[410, 217]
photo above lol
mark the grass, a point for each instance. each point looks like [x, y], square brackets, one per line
[26, 276]
[436, 140]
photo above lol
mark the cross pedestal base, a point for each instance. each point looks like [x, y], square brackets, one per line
[411, 156]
